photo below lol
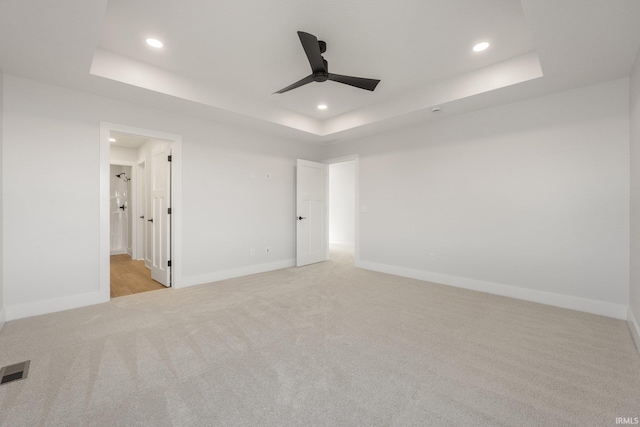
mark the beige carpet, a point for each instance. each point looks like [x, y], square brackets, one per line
[322, 345]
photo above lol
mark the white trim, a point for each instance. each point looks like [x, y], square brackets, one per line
[2, 318]
[119, 252]
[105, 184]
[355, 158]
[53, 305]
[341, 159]
[176, 200]
[634, 327]
[238, 272]
[176, 212]
[617, 311]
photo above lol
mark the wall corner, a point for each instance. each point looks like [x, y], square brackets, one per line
[634, 249]
[2, 312]
[634, 327]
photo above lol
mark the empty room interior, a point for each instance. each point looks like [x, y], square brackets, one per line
[346, 213]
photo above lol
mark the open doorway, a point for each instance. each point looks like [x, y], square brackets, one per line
[138, 193]
[132, 200]
[343, 222]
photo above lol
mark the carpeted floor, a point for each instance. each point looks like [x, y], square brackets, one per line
[322, 345]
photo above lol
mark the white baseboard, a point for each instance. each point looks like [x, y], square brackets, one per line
[602, 308]
[238, 272]
[119, 252]
[53, 305]
[634, 327]
[2, 318]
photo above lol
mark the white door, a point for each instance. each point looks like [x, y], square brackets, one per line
[312, 192]
[141, 219]
[159, 216]
[148, 216]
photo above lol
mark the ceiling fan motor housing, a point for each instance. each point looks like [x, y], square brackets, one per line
[322, 76]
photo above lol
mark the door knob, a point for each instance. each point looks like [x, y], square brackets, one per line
[122, 207]
[300, 218]
[150, 220]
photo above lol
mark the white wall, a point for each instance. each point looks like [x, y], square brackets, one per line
[634, 121]
[341, 203]
[2, 312]
[529, 200]
[52, 136]
[122, 154]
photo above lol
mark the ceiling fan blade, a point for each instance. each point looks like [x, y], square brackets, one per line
[312, 49]
[299, 83]
[359, 82]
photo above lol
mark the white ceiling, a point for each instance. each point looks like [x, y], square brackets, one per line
[224, 59]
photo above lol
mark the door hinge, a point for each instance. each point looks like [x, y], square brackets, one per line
[169, 263]
[169, 158]
[169, 211]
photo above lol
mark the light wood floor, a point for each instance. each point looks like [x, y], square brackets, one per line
[130, 277]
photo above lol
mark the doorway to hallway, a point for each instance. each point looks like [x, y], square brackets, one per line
[139, 231]
[342, 204]
[343, 212]
[140, 206]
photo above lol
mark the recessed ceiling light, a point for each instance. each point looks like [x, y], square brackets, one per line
[154, 43]
[480, 47]
[322, 107]
[112, 140]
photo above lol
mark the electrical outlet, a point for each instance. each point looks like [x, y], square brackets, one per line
[252, 175]
[267, 250]
[252, 251]
[431, 257]
[269, 175]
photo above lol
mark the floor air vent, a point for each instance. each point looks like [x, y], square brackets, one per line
[15, 372]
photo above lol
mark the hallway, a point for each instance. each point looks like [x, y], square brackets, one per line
[130, 277]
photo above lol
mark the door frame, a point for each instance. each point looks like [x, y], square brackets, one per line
[176, 201]
[356, 168]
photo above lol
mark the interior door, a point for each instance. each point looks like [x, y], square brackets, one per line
[141, 220]
[148, 215]
[161, 224]
[312, 195]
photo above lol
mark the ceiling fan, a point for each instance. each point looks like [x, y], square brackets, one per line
[314, 49]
